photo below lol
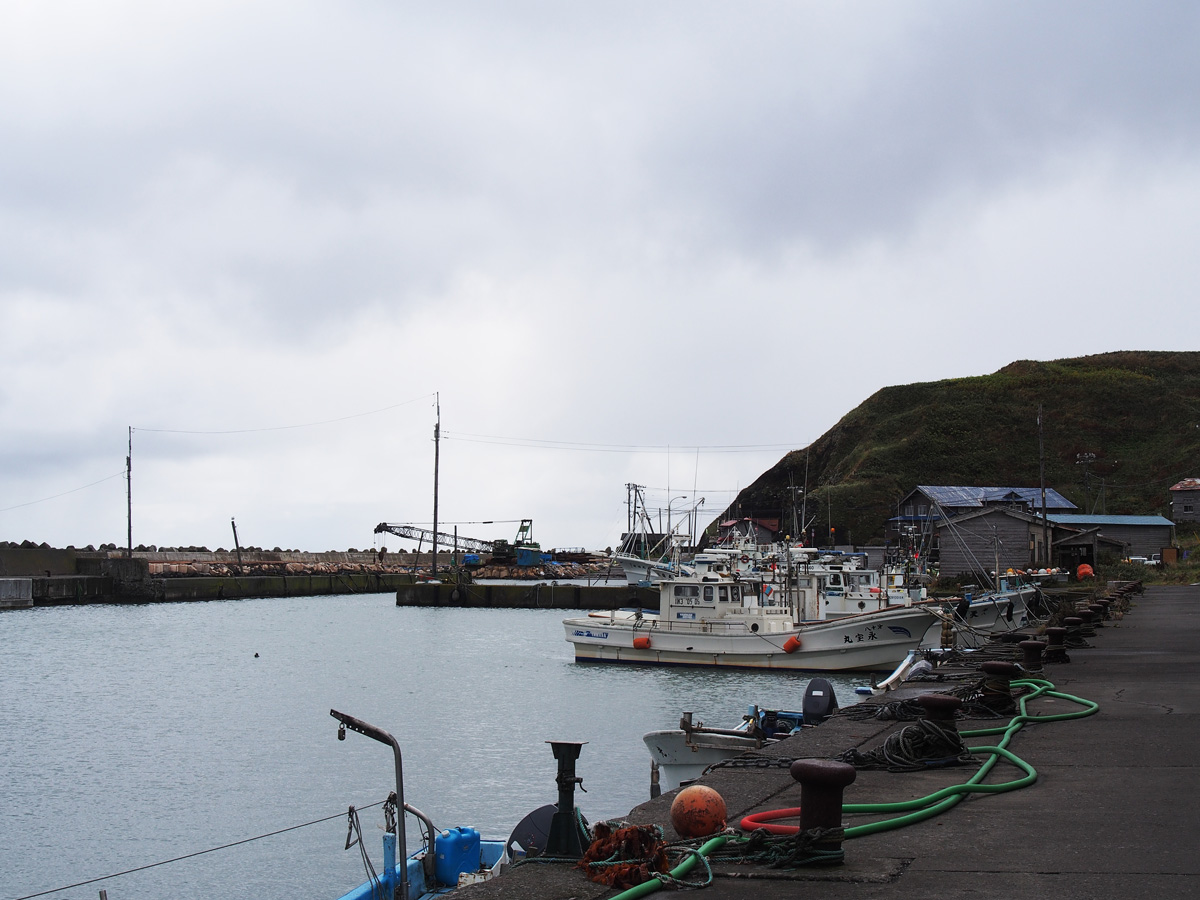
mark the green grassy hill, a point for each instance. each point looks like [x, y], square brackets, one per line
[1118, 429]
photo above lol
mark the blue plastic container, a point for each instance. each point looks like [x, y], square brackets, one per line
[456, 851]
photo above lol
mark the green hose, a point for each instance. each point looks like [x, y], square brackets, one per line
[649, 887]
[939, 801]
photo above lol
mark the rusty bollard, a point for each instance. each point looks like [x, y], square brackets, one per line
[997, 685]
[940, 707]
[1074, 626]
[1087, 617]
[1031, 655]
[1098, 611]
[822, 783]
[1056, 646]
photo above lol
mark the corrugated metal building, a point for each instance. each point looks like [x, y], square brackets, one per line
[927, 503]
[998, 538]
[1185, 500]
[1142, 535]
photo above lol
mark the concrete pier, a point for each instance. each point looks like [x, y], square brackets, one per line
[1111, 814]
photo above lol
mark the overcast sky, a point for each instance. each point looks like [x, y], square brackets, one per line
[657, 243]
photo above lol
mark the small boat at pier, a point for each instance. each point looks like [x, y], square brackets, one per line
[679, 755]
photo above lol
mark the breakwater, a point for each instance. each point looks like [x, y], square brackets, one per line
[44, 576]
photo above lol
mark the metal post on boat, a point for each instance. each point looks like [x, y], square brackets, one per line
[383, 737]
[564, 839]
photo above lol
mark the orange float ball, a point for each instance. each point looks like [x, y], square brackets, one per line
[697, 811]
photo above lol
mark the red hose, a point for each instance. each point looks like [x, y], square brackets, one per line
[761, 820]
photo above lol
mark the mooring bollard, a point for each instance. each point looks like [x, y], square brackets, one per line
[997, 685]
[566, 838]
[1031, 655]
[1056, 647]
[940, 707]
[1087, 618]
[822, 784]
[1074, 626]
[1098, 611]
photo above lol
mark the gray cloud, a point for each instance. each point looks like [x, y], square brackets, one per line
[670, 224]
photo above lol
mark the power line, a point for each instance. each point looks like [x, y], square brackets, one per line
[64, 493]
[372, 412]
[611, 448]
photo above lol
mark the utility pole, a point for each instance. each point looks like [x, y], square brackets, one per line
[1042, 478]
[129, 496]
[437, 436]
[804, 501]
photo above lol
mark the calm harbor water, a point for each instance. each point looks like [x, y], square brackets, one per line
[135, 734]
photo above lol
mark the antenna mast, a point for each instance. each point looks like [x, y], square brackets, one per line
[129, 497]
[437, 436]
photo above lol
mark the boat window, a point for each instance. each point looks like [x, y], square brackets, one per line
[723, 594]
[708, 593]
[835, 579]
[804, 582]
[687, 590]
[736, 591]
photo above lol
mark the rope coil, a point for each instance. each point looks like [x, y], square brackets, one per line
[924, 744]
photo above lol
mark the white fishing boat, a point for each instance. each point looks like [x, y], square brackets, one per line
[679, 755]
[648, 571]
[715, 617]
[977, 616]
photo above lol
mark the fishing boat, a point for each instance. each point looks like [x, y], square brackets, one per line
[976, 616]
[648, 571]
[448, 859]
[679, 755]
[713, 616]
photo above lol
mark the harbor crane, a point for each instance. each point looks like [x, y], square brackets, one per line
[421, 535]
[499, 548]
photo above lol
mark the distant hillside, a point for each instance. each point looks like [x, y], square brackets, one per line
[1137, 412]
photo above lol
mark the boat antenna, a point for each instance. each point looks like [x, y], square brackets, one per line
[129, 496]
[437, 435]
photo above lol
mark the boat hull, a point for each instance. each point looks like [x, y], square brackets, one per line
[986, 615]
[868, 643]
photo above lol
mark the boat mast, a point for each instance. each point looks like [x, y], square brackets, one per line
[129, 496]
[437, 435]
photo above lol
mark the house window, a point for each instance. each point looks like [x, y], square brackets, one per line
[1187, 507]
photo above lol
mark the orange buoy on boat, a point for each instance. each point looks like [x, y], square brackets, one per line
[791, 645]
[641, 643]
[697, 811]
